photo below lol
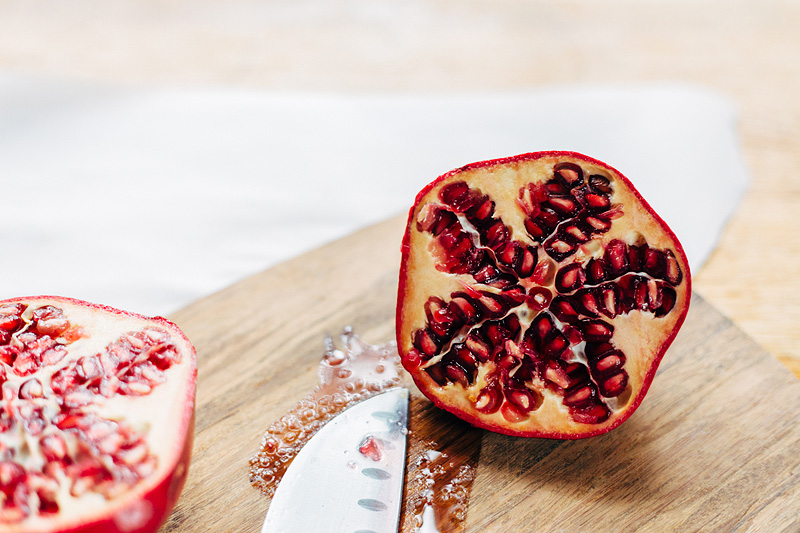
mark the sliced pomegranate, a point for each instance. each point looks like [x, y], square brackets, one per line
[96, 420]
[538, 295]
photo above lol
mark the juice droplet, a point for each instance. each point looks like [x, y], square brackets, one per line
[347, 375]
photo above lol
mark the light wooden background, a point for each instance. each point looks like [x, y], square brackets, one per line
[749, 50]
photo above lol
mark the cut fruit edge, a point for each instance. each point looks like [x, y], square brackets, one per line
[148, 503]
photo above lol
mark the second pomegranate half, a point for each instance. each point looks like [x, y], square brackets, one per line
[538, 294]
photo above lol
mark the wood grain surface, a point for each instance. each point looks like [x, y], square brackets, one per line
[715, 454]
[713, 446]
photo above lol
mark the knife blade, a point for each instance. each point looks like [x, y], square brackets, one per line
[349, 476]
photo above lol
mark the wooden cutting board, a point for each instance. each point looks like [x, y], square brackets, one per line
[714, 446]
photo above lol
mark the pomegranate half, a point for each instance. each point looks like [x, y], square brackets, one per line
[538, 294]
[97, 417]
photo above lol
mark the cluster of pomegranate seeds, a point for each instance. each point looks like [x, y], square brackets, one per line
[54, 436]
[544, 271]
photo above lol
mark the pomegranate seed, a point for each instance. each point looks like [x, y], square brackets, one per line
[523, 399]
[581, 396]
[614, 386]
[50, 321]
[496, 235]
[535, 230]
[527, 263]
[413, 358]
[609, 362]
[570, 277]
[544, 272]
[672, 270]
[555, 345]
[137, 388]
[653, 294]
[511, 413]
[11, 474]
[609, 299]
[53, 355]
[465, 357]
[577, 374]
[595, 350]
[640, 293]
[565, 206]
[453, 192]
[563, 309]
[469, 311]
[437, 373]
[596, 330]
[542, 326]
[599, 224]
[600, 183]
[513, 349]
[424, 343]
[597, 203]
[462, 247]
[587, 299]
[668, 297]
[636, 255]
[53, 447]
[508, 253]
[492, 305]
[478, 347]
[513, 296]
[538, 298]
[482, 211]
[655, 263]
[89, 368]
[133, 455]
[8, 354]
[573, 334]
[556, 373]
[569, 173]
[489, 399]
[561, 246]
[594, 415]
[9, 322]
[486, 274]
[31, 389]
[456, 374]
[577, 233]
[616, 258]
[25, 364]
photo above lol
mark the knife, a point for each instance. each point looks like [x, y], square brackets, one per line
[349, 476]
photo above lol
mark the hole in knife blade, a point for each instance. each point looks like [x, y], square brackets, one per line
[372, 505]
[376, 473]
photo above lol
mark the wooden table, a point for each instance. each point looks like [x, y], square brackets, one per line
[747, 50]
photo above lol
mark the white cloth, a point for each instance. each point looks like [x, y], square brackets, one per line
[147, 198]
